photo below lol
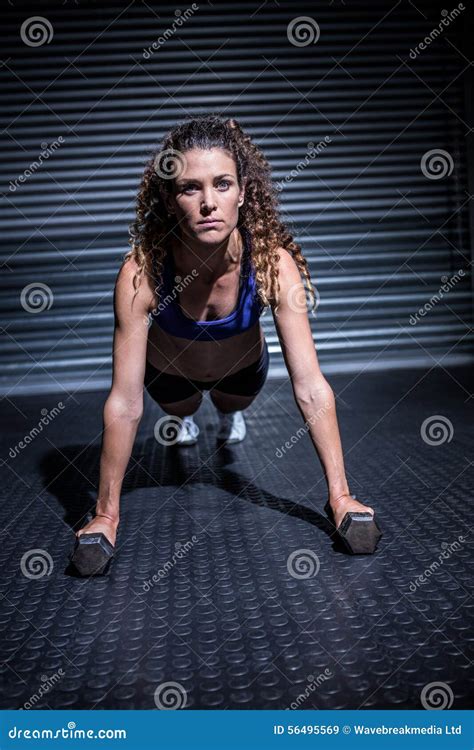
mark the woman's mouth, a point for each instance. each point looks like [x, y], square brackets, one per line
[209, 222]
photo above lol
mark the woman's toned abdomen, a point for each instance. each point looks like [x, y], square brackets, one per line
[203, 360]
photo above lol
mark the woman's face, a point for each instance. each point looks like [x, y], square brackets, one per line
[207, 190]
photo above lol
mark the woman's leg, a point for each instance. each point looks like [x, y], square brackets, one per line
[183, 408]
[227, 402]
[236, 392]
[175, 395]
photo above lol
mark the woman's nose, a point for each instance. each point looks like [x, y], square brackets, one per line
[208, 200]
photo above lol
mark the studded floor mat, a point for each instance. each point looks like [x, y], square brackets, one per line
[228, 589]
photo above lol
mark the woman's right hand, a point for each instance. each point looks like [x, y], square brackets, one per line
[101, 524]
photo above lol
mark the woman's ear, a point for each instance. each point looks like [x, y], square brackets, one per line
[242, 193]
[168, 203]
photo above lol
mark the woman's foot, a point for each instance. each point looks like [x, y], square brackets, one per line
[232, 428]
[188, 431]
[340, 505]
[101, 524]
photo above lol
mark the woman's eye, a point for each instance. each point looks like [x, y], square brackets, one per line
[193, 186]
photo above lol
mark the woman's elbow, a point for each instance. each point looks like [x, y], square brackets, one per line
[313, 390]
[120, 406]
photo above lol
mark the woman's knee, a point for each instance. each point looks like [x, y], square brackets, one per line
[230, 402]
[183, 408]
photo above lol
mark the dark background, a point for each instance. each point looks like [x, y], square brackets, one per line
[380, 237]
[229, 622]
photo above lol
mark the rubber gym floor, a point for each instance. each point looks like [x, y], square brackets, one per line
[227, 580]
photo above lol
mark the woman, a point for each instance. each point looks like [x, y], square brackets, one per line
[209, 253]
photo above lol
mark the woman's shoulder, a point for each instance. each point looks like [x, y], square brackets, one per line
[288, 275]
[286, 262]
[133, 283]
[286, 267]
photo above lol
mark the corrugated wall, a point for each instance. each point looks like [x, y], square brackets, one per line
[382, 227]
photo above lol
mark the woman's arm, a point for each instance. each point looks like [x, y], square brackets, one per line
[123, 408]
[313, 394]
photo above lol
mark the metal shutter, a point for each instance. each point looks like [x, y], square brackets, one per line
[379, 234]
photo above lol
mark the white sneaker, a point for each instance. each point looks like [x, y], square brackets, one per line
[188, 432]
[232, 427]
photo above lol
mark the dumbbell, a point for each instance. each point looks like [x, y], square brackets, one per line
[92, 553]
[358, 531]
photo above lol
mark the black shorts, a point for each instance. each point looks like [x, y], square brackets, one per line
[165, 388]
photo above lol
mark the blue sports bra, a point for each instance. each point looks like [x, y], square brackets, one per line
[169, 316]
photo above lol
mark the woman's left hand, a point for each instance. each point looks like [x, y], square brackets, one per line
[342, 504]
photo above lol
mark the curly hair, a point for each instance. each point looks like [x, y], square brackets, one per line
[259, 213]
